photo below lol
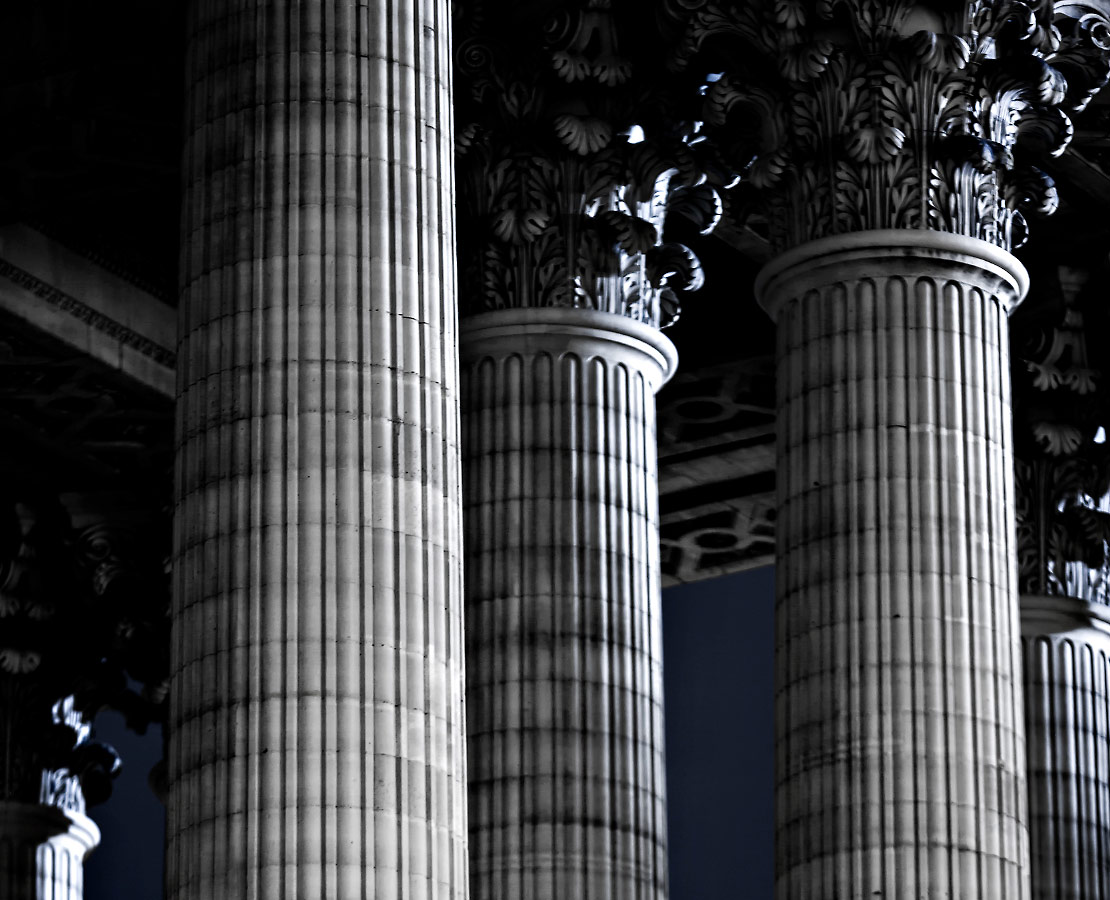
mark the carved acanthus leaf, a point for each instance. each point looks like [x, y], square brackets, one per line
[1062, 413]
[564, 195]
[928, 113]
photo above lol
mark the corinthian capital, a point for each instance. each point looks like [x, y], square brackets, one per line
[573, 158]
[83, 606]
[852, 115]
[1062, 412]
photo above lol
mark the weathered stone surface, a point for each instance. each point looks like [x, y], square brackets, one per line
[901, 765]
[564, 642]
[317, 703]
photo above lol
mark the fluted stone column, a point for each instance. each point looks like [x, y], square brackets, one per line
[317, 744]
[43, 851]
[1063, 522]
[569, 272]
[564, 637]
[898, 708]
[894, 149]
[1066, 643]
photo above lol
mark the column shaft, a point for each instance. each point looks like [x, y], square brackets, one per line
[1067, 720]
[898, 706]
[317, 744]
[563, 619]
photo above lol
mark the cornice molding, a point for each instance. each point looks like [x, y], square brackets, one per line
[85, 313]
[74, 245]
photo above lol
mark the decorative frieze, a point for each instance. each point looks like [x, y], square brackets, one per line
[118, 331]
[851, 115]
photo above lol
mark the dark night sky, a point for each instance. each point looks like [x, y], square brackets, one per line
[718, 642]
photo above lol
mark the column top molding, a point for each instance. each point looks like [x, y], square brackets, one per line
[41, 822]
[1041, 614]
[582, 332]
[891, 253]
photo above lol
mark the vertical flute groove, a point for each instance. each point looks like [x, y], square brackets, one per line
[1066, 645]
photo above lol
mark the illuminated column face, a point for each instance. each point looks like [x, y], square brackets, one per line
[318, 740]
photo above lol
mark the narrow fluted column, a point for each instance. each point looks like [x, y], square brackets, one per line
[898, 704]
[564, 675]
[43, 850]
[1066, 644]
[318, 740]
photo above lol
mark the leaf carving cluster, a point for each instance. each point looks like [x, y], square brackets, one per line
[560, 203]
[850, 115]
[78, 617]
[1063, 461]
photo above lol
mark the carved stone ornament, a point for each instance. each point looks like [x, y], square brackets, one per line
[851, 115]
[1062, 466]
[573, 156]
[77, 616]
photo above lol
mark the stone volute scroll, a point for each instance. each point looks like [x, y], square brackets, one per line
[575, 164]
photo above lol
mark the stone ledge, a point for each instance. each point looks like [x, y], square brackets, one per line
[87, 307]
